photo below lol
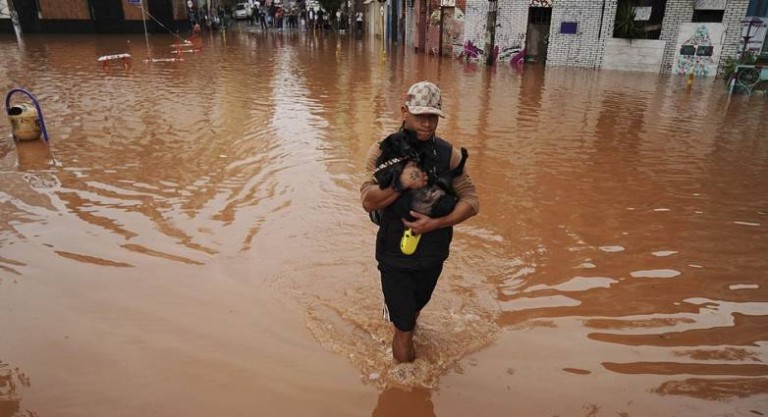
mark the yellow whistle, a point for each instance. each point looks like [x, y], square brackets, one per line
[409, 242]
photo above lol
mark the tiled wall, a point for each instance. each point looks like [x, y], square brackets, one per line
[585, 48]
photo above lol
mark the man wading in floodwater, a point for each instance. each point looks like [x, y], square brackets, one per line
[415, 170]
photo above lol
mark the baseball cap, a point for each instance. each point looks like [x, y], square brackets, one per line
[424, 98]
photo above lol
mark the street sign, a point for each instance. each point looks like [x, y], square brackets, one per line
[136, 2]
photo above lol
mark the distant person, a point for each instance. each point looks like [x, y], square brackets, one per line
[412, 246]
[191, 14]
[359, 22]
[252, 16]
[263, 18]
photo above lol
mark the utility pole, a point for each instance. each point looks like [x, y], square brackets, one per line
[146, 35]
[14, 19]
[490, 35]
[440, 38]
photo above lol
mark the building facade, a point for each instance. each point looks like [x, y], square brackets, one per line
[666, 36]
[92, 16]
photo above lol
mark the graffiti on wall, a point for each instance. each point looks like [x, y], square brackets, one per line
[509, 43]
[453, 29]
[511, 47]
[698, 49]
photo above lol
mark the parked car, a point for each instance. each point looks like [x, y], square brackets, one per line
[242, 11]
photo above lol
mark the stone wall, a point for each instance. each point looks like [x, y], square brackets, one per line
[585, 48]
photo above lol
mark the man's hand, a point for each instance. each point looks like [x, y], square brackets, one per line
[422, 224]
[413, 177]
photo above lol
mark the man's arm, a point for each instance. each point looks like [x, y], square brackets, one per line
[467, 206]
[373, 197]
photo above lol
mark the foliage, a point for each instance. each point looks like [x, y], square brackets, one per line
[729, 67]
[626, 26]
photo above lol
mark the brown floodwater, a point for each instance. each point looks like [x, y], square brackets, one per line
[192, 243]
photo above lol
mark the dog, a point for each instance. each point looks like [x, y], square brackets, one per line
[436, 199]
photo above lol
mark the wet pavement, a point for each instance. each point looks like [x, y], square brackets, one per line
[192, 242]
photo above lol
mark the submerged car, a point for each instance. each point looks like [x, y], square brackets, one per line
[242, 11]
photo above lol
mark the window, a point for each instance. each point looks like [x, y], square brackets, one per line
[539, 15]
[639, 19]
[569, 28]
[708, 16]
[704, 50]
[688, 50]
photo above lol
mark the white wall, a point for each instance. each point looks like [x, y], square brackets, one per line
[633, 55]
[586, 47]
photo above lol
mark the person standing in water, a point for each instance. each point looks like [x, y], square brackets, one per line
[400, 167]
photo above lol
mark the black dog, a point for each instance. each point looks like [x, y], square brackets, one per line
[437, 198]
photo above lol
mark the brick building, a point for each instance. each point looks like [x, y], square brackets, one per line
[582, 33]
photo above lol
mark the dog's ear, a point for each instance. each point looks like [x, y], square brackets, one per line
[392, 146]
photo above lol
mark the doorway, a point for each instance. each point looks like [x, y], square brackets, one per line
[162, 10]
[107, 15]
[537, 37]
[27, 11]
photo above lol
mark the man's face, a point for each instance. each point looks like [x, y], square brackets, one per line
[423, 124]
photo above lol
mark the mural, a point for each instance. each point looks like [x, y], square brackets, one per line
[4, 11]
[698, 49]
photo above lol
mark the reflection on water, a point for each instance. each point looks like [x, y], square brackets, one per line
[620, 243]
[12, 383]
[398, 402]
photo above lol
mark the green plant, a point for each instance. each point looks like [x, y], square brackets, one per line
[729, 68]
[626, 27]
[730, 64]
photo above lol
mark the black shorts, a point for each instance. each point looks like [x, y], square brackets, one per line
[406, 293]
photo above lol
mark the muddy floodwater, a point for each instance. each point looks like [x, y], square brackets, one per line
[192, 243]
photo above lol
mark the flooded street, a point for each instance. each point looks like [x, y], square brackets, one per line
[193, 244]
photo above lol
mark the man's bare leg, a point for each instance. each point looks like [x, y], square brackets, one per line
[402, 346]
